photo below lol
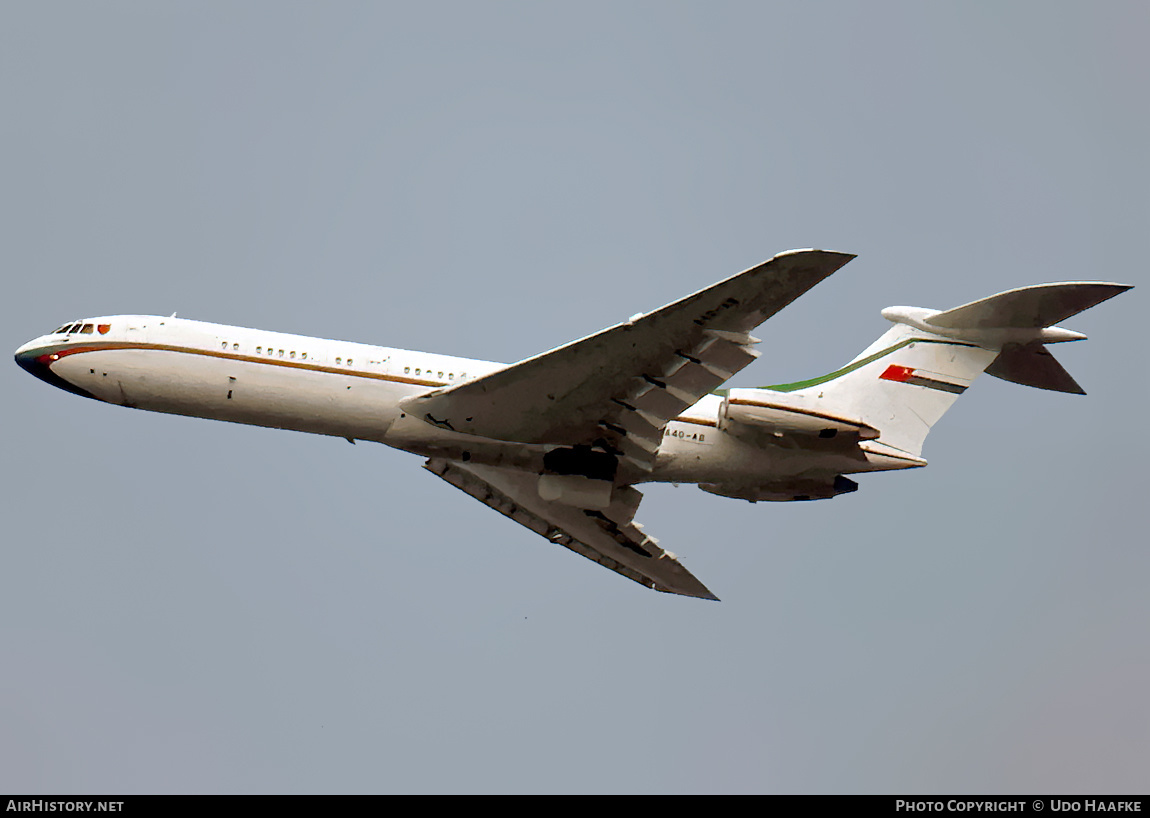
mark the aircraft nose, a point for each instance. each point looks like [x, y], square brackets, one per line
[28, 357]
[34, 359]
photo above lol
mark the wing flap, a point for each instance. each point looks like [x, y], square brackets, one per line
[692, 378]
[658, 402]
[607, 536]
[725, 354]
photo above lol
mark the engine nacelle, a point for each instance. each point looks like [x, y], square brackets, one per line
[761, 411]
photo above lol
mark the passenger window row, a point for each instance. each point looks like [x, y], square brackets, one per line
[274, 352]
[429, 373]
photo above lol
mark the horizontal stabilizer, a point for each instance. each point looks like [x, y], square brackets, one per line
[1033, 365]
[1041, 305]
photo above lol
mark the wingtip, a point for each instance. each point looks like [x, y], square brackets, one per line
[702, 592]
[804, 250]
[820, 262]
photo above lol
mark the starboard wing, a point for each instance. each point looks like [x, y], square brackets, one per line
[618, 388]
[608, 536]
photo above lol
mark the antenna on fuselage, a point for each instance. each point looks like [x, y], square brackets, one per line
[173, 315]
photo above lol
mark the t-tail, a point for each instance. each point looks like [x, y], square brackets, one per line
[903, 383]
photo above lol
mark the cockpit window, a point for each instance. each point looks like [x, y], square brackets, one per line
[82, 328]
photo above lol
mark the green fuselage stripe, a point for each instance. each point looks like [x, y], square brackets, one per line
[838, 373]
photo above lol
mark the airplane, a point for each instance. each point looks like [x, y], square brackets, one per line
[557, 442]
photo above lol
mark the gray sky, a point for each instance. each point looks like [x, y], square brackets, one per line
[191, 606]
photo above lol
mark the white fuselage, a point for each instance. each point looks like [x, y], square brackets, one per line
[350, 390]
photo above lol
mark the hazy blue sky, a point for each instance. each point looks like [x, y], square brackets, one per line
[191, 606]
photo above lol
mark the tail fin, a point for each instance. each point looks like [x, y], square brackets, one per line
[905, 381]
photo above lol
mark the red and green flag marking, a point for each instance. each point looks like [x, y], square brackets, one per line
[907, 374]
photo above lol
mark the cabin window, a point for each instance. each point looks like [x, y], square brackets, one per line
[281, 353]
[291, 354]
[303, 355]
[407, 370]
[259, 350]
[349, 361]
[224, 345]
[236, 347]
[339, 360]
